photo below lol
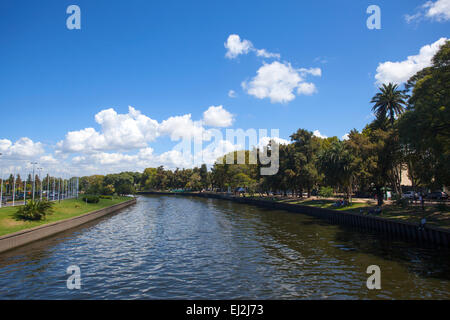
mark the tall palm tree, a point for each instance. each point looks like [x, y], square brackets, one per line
[389, 101]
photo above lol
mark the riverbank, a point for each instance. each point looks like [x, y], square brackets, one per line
[67, 214]
[413, 213]
[392, 227]
[62, 210]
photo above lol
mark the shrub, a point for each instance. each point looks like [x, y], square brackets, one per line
[34, 210]
[90, 199]
[326, 192]
[106, 197]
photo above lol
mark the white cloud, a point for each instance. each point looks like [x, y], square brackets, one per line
[183, 127]
[317, 72]
[22, 149]
[121, 144]
[317, 133]
[322, 60]
[119, 132]
[263, 53]
[345, 137]
[307, 88]
[411, 18]
[400, 72]
[217, 117]
[84, 140]
[235, 47]
[131, 131]
[438, 10]
[232, 94]
[48, 160]
[277, 81]
[214, 151]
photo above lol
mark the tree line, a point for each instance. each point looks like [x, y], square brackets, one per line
[410, 133]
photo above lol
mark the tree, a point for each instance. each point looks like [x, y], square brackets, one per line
[389, 101]
[205, 181]
[123, 183]
[195, 182]
[376, 157]
[148, 179]
[93, 184]
[336, 163]
[307, 148]
[424, 128]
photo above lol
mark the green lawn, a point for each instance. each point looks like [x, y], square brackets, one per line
[412, 213]
[328, 204]
[439, 217]
[63, 210]
[434, 216]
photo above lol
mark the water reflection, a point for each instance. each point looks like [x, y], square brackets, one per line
[176, 248]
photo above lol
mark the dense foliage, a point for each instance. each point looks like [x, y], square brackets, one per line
[122, 183]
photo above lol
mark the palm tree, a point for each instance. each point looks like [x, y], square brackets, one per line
[34, 210]
[389, 101]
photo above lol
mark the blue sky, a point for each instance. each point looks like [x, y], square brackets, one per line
[167, 59]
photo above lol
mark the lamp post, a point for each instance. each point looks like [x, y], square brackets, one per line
[34, 178]
[25, 190]
[48, 185]
[40, 180]
[14, 190]
[59, 190]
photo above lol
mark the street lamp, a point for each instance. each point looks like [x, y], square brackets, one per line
[34, 178]
[39, 169]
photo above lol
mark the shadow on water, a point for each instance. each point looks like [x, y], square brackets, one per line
[309, 236]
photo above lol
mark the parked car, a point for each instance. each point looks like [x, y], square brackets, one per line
[410, 195]
[437, 195]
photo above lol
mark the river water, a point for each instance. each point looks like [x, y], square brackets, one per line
[167, 247]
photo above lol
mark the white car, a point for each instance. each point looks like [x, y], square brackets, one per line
[410, 195]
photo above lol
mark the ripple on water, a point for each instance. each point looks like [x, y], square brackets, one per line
[178, 248]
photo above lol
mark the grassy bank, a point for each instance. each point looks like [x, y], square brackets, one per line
[62, 210]
[439, 217]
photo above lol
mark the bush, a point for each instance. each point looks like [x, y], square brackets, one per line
[90, 199]
[34, 210]
[106, 197]
[326, 192]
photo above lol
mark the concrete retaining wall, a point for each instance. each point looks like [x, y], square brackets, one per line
[398, 229]
[20, 238]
